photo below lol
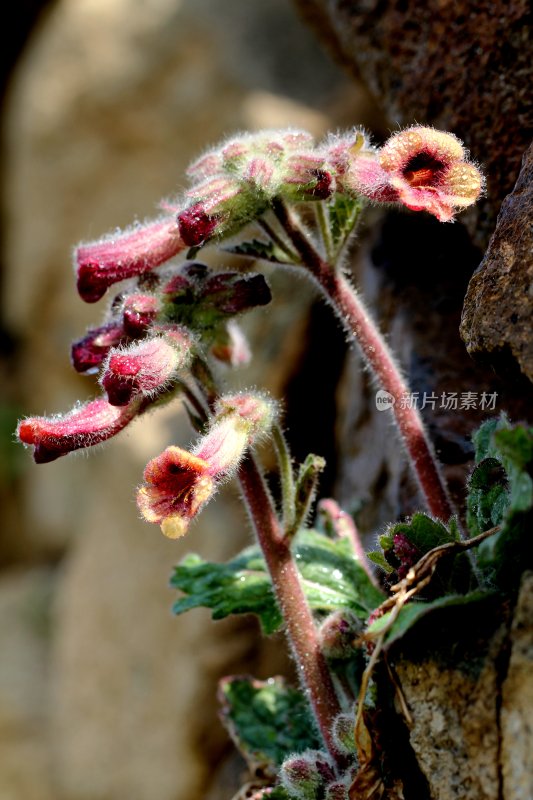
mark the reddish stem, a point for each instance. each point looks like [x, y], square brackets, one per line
[300, 628]
[352, 313]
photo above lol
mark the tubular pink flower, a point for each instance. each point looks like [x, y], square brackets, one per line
[89, 353]
[134, 252]
[145, 368]
[424, 169]
[178, 483]
[84, 426]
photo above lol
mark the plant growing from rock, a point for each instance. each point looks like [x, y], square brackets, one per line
[279, 197]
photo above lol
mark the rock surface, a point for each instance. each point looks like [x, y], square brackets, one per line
[25, 754]
[452, 694]
[415, 59]
[517, 701]
[498, 309]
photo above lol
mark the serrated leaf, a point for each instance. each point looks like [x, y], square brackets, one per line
[423, 532]
[257, 248]
[482, 438]
[240, 586]
[377, 557]
[406, 542]
[267, 720]
[343, 213]
[413, 612]
[501, 493]
[332, 578]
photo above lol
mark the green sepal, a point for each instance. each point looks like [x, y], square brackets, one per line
[257, 248]
[343, 212]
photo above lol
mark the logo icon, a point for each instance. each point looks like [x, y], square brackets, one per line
[384, 400]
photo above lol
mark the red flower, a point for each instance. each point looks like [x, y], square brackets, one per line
[424, 169]
[178, 483]
[115, 258]
[84, 426]
[145, 368]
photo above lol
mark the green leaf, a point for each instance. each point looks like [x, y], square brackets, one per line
[331, 575]
[482, 438]
[423, 532]
[240, 586]
[501, 493]
[257, 248]
[413, 612]
[377, 557]
[267, 720]
[332, 578]
[343, 214]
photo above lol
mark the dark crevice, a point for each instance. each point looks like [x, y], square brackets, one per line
[310, 394]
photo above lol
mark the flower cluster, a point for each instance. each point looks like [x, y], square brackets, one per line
[420, 167]
[178, 483]
[235, 183]
[168, 317]
[147, 341]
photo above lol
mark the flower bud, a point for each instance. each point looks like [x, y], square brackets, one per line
[405, 552]
[196, 225]
[337, 634]
[138, 312]
[207, 166]
[126, 255]
[336, 791]
[258, 411]
[88, 354]
[344, 733]
[145, 368]
[233, 292]
[259, 173]
[305, 775]
[84, 426]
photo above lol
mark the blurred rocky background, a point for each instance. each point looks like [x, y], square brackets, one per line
[103, 694]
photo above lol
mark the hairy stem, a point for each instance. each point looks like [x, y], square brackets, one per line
[351, 311]
[300, 628]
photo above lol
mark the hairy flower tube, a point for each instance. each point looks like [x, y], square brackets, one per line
[146, 367]
[84, 426]
[424, 169]
[178, 483]
[131, 253]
